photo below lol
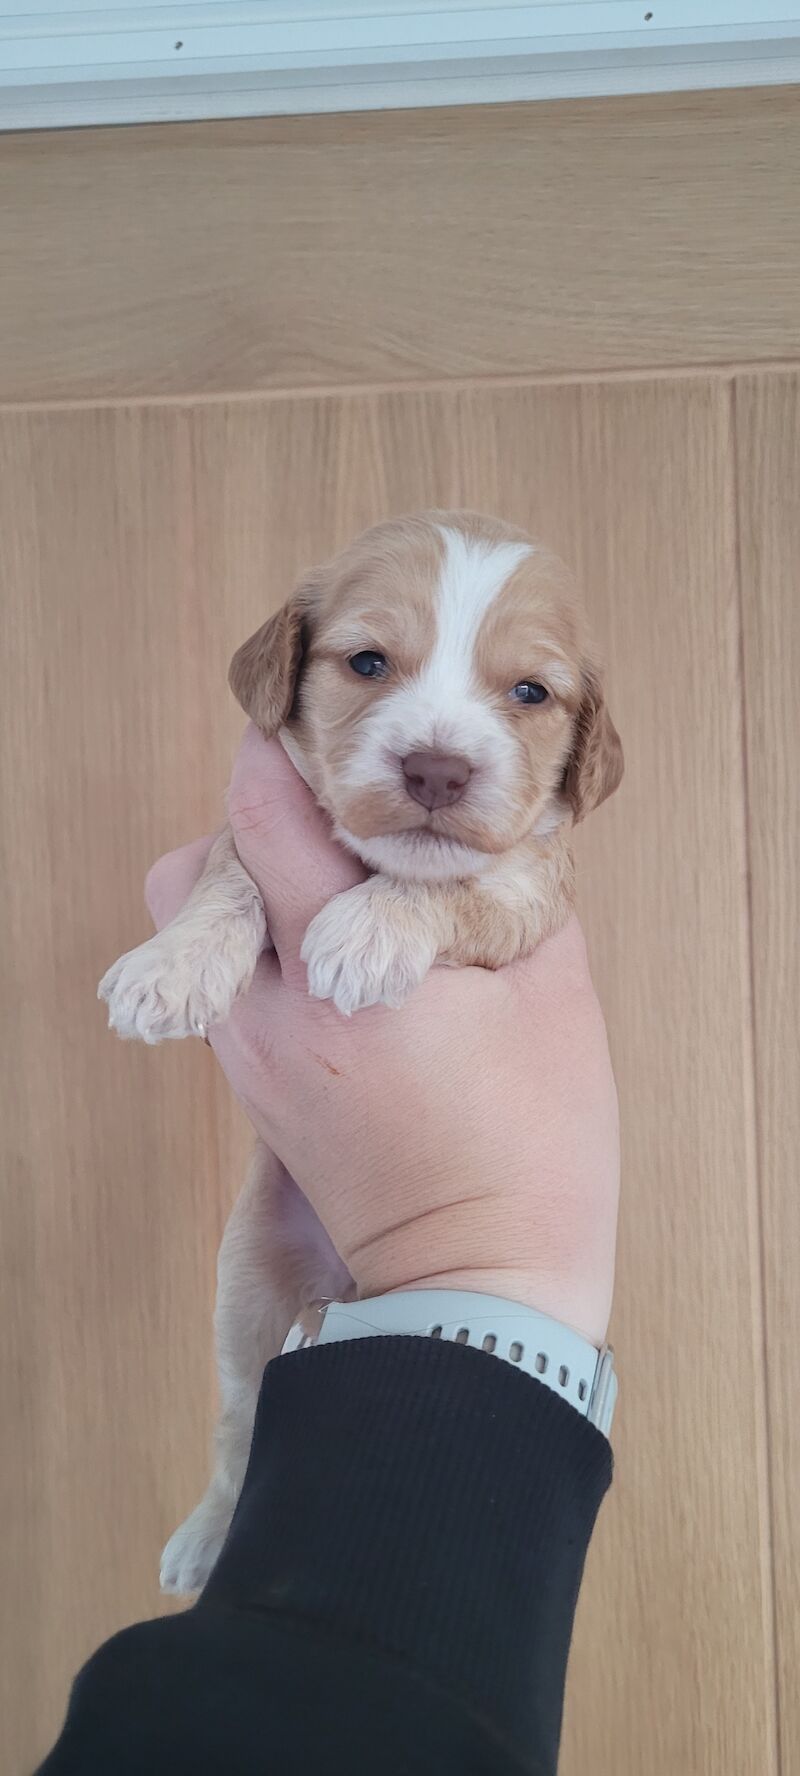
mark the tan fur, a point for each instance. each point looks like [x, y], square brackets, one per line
[524, 898]
[380, 593]
[479, 882]
[595, 766]
[264, 670]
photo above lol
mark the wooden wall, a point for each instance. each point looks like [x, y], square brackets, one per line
[226, 347]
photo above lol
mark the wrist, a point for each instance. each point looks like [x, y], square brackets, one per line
[495, 1246]
[585, 1308]
[554, 1354]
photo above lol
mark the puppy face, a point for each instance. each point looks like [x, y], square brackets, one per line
[433, 685]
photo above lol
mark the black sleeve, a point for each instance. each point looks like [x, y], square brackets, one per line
[396, 1593]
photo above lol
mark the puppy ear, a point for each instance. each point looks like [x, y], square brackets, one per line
[264, 670]
[595, 765]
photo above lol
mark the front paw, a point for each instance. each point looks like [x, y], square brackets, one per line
[366, 948]
[170, 987]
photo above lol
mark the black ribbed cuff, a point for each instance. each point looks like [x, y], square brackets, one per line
[430, 1502]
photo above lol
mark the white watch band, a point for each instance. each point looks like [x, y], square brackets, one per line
[549, 1351]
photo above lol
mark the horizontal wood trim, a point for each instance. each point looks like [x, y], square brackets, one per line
[301, 253]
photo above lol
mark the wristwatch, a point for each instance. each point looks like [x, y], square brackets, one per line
[545, 1349]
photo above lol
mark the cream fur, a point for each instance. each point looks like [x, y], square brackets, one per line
[188, 976]
[480, 884]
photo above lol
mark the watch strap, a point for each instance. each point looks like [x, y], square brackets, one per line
[541, 1347]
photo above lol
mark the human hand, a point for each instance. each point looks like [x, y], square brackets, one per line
[468, 1140]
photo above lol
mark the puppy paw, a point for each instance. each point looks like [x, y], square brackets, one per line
[365, 948]
[180, 984]
[192, 1552]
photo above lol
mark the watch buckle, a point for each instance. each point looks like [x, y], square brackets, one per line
[605, 1388]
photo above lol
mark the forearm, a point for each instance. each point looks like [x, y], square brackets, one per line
[406, 1555]
[432, 1503]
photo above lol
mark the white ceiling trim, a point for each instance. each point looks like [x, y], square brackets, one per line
[112, 63]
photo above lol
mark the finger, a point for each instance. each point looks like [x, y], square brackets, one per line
[171, 880]
[284, 841]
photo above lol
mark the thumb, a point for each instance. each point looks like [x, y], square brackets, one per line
[284, 841]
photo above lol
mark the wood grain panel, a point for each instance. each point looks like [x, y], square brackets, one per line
[139, 545]
[117, 1161]
[312, 252]
[768, 428]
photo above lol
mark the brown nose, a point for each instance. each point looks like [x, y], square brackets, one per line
[436, 779]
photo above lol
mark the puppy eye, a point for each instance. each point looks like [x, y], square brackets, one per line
[369, 664]
[529, 692]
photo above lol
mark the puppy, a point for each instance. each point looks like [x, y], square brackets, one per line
[435, 688]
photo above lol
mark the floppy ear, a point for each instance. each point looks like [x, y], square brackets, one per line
[595, 765]
[264, 670]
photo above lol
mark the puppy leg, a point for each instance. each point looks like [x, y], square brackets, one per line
[275, 1259]
[373, 944]
[188, 976]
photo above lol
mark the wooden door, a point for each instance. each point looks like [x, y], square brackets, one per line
[236, 388]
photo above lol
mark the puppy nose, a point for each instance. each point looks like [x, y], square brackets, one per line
[436, 779]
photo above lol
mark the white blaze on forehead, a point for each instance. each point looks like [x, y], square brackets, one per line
[444, 704]
[473, 573]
